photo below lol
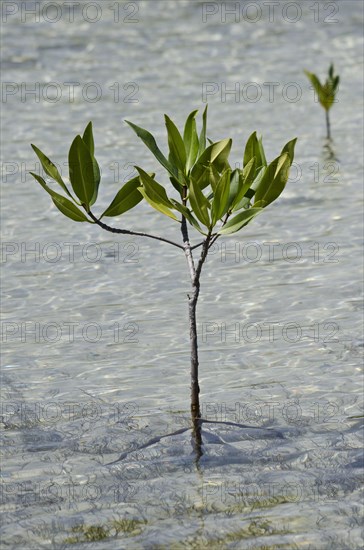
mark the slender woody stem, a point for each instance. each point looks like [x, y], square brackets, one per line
[328, 125]
[127, 232]
[192, 302]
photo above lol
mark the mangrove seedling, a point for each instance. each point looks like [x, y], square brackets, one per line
[207, 195]
[325, 92]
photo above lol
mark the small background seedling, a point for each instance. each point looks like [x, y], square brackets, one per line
[325, 92]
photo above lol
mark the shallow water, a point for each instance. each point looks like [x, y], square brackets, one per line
[95, 341]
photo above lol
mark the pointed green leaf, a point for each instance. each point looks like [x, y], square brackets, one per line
[254, 148]
[128, 197]
[160, 207]
[208, 175]
[191, 141]
[216, 154]
[202, 140]
[315, 83]
[81, 169]
[249, 172]
[234, 186]
[154, 189]
[50, 169]
[187, 214]
[250, 148]
[199, 203]
[155, 194]
[69, 209]
[64, 205]
[176, 145]
[289, 148]
[245, 181]
[262, 153]
[220, 203]
[274, 179]
[219, 153]
[150, 142]
[241, 219]
[88, 140]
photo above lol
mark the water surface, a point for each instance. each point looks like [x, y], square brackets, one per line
[95, 339]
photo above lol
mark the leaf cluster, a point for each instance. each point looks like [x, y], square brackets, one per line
[325, 92]
[212, 196]
[84, 176]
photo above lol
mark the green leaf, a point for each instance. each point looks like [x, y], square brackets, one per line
[234, 186]
[157, 205]
[199, 203]
[155, 194]
[191, 141]
[208, 175]
[202, 140]
[262, 153]
[250, 148]
[88, 139]
[81, 169]
[216, 154]
[274, 180]
[289, 148]
[50, 169]
[254, 148]
[128, 197]
[220, 203]
[315, 82]
[154, 190]
[241, 219]
[249, 172]
[150, 142]
[220, 152]
[64, 205]
[176, 145]
[187, 214]
[245, 181]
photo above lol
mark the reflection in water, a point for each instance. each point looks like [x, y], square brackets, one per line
[328, 150]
